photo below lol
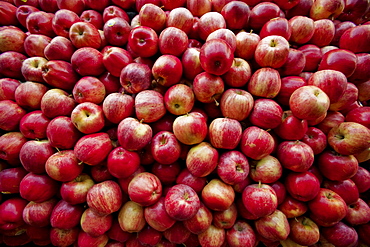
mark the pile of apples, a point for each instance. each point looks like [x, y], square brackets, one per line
[185, 123]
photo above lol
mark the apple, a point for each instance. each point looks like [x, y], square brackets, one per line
[224, 34]
[291, 127]
[92, 149]
[147, 195]
[181, 18]
[59, 74]
[47, 187]
[359, 115]
[272, 51]
[12, 213]
[111, 83]
[133, 134]
[165, 148]
[11, 178]
[64, 236]
[347, 189]
[324, 32]
[340, 234]
[323, 9]
[89, 89]
[239, 73]
[167, 70]
[231, 10]
[216, 56]
[11, 64]
[157, 217]
[40, 22]
[149, 106]
[246, 44]
[207, 87]
[181, 202]
[190, 128]
[233, 167]
[88, 117]
[225, 133]
[213, 236]
[227, 218]
[116, 31]
[273, 227]
[115, 59]
[63, 20]
[316, 139]
[217, 195]
[10, 145]
[361, 38]
[112, 11]
[261, 13]
[63, 166]
[348, 101]
[76, 6]
[94, 17]
[293, 208]
[187, 178]
[33, 125]
[31, 69]
[84, 239]
[294, 64]
[143, 41]
[313, 56]
[61, 133]
[29, 94]
[75, 191]
[151, 15]
[170, 5]
[177, 234]
[190, 63]
[330, 200]
[241, 234]
[12, 39]
[149, 236]
[167, 174]
[96, 65]
[11, 115]
[315, 101]
[172, 41]
[201, 221]
[95, 224]
[7, 88]
[297, 184]
[363, 93]
[179, 99]
[303, 29]
[122, 163]
[256, 143]
[359, 75]
[304, 231]
[266, 170]
[57, 102]
[201, 159]
[296, 156]
[199, 7]
[135, 77]
[265, 82]
[65, 215]
[349, 138]
[259, 192]
[115, 233]
[266, 114]
[105, 197]
[233, 99]
[34, 154]
[358, 213]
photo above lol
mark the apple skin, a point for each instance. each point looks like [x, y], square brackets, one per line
[31, 69]
[358, 213]
[241, 234]
[75, 191]
[340, 235]
[294, 64]
[201, 159]
[346, 165]
[334, 58]
[33, 125]
[273, 227]
[266, 170]
[292, 207]
[190, 128]
[9, 12]
[145, 195]
[330, 200]
[63, 166]
[88, 117]
[115, 59]
[116, 31]
[266, 114]
[105, 197]
[12, 213]
[359, 115]
[200, 221]
[246, 44]
[264, 82]
[179, 99]
[65, 215]
[272, 51]
[213, 236]
[347, 189]
[143, 41]
[261, 13]
[157, 19]
[296, 156]
[11, 64]
[174, 46]
[84, 34]
[259, 193]
[157, 217]
[165, 148]
[225, 133]
[233, 167]
[122, 163]
[10, 179]
[208, 88]
[149, 106]
[303, 29]
[167, 70]
[133, 134]
[190, 62]
[349, 138]
[92, 149]
[34, 154]
[291, 127]
[63, 103]
[167, 174]
[7, 88]
[11, 115]
[135, 77]
[359, 75]
[181, 202]
[64, 236]
[296, 183]
[95, 224]
[316, 139]
[94, 68]
[315, 100]
[62, 22]
[10, 145]
[47, 187]
[304, 231]
[149, 236]
[40, 22]
[12, 39]
[59, 129]
[29, 94]
[361, 38]
[181, 18]
[236, 98]
[84, 239]
[187, 178]
[256, 143]
[216, 56]
[177, 234]
[89, 89]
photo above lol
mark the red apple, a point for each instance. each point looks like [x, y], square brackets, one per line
[259, 192]
[202, 159]
[152, 16]
[241, 234]
[57, 102]
[149, 106]
[297, 185]
[145, 195]
[33, 125]
[11, 64]
[231, 10]
[294, 65]
[303, 29]
[95, 224]
[266, 170]
[92, 16]
[157, 217]
[177, 234]
[64, 236]
[167, 70]
[340, 234]
[207, 87]
[358, 213]
[61, 133]
[293, 208]
[233, 99]
[233, 167]
[246, 44]
[295, 155]
[116, 31]
[199, 7]
[190, 62]
[88, 117]
[347, 189]
[165, 148]
[358, 35]
[316, 139]
[217, 195]
[10, 145]
[291, 127]
[304, 231]
[63, 20]
[76, 6]
[181, 18]
[75, 191]
[172, 41]
[190, 128]
[256, 143]
[187, 178]
[11, 115]
[29, 94]
[12, 39]
[40, 22]
[63, 166]
[216, 56]
[261, 13]
[272, 51]
[143, 41]
[46, 187]
[273, 227]
[65, 215]
[7, 88]
[89, 89]
[167, 174]
[12, 213]
[11, 178]
[96, 65]
[213, 236]
[266, 114]
[225, 133]
[359, 75]
[34, 154]
[59, 74]
[133, 134]
[326, 9]
[179, 99]
[115, 59]
[31, 69]
[265, 82]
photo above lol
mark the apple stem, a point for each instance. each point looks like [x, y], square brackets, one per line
[80, 163]
[57, 149]
[295, 218]
[141, 121]
[216, 102]
[259, 184]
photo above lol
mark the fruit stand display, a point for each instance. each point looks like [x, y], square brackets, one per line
[185, 123]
